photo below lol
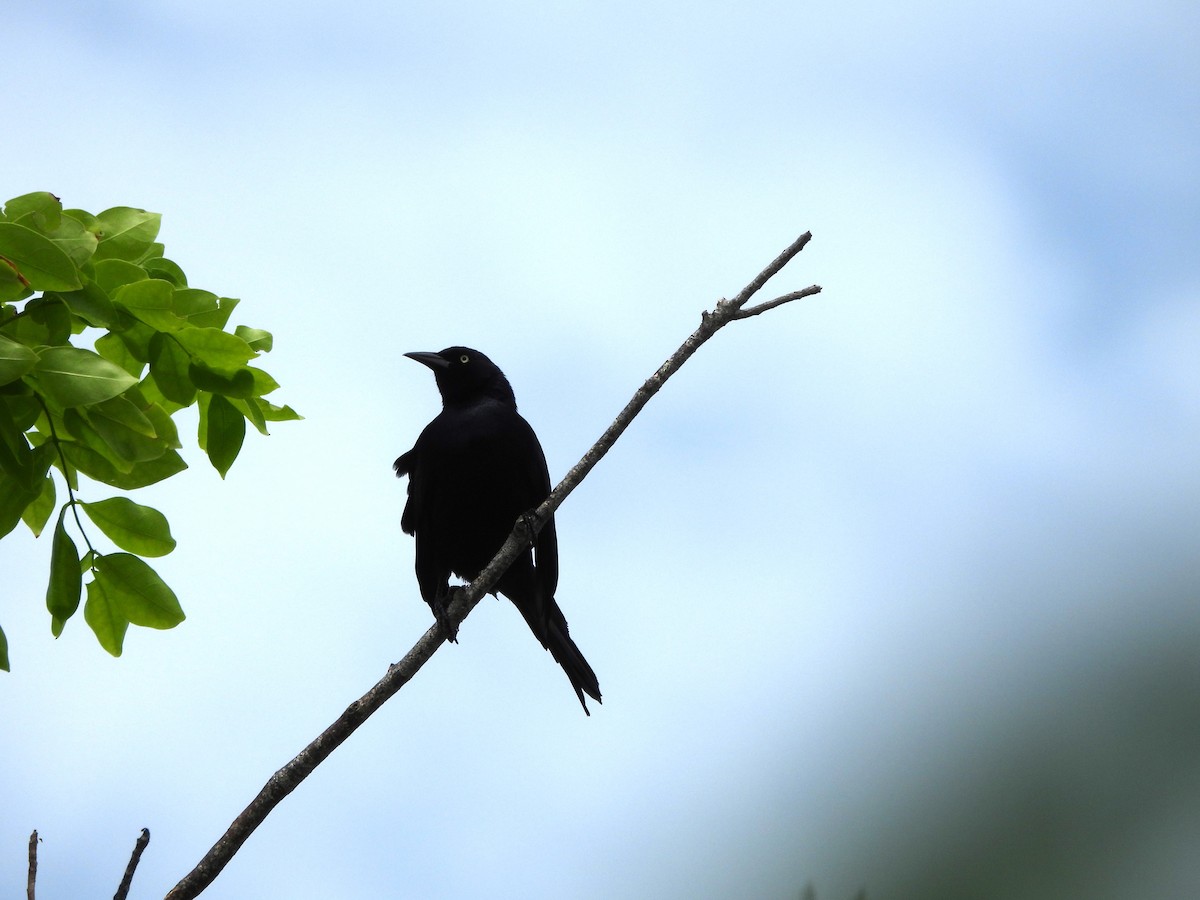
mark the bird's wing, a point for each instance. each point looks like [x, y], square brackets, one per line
[404, 465]
[545, 556]
[535, 489]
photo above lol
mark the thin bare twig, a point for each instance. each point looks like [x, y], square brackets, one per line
[778, 301]
[32, 879]
[134, 858]
[772, 270]
[286, 779]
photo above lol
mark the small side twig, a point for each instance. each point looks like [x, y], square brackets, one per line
[772, 269]
[778, 301]
[134, 859]
[32, 879]
[286, 779]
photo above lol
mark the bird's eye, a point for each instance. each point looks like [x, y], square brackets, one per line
[464, 359]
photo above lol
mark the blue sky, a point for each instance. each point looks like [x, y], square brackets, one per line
[894, 587]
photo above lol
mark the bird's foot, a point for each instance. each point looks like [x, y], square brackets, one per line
[441, 613]
[529, 521]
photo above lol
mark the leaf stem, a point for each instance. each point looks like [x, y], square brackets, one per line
[72, 502]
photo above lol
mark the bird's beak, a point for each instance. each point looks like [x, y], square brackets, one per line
[433, 360]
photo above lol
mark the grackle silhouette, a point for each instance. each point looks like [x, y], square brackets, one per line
[474, 470]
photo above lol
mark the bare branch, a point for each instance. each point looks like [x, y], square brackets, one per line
[287, 779]
[284, 781]
[770, 271]
[32, 879]
[778, 301]
[134, 858]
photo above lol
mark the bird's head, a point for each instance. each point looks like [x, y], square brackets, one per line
[465, 375]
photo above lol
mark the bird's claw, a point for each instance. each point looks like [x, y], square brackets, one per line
[441, 613]
[531, 524]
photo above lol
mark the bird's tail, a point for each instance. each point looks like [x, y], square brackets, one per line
[553, 633]
[566, 654]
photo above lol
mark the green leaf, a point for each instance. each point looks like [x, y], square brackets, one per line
[149, 293]
[115, 350]
[85, 218]
[215, 348]
[73, 239]
[111, 274]
[139, 594]
[66, 580]
[167, 269]
[255, 337]
[37, 513]
[259, 411]
[15, 360]
[131, 526]
[46, 322]
[217, 317]
[24, 409]
[273, 413]
[122, 445]
[40, 261]
[41, 207]
[151, 396]
[151, 302]
[126, 233]
[263, 383]
[103, 614]
[17, 493]
[149, 472]
[164, 425]
[3, 651]
[123, 412]
[12, 285]
[70, 376]
[224, 430]
[91, 304]
[239, 383]
[137, 337]
[139, 475]
[253, 413]
[195, 305]
[14, 497]
[16, 456]
[169, 364]
[83, 433]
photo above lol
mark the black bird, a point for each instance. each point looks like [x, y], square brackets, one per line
[475, 469]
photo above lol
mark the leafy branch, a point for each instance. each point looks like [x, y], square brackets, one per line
[286, 779]
[106, 412]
